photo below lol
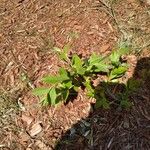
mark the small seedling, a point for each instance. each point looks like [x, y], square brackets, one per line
[80, 73]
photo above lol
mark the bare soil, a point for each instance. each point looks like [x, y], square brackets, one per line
[29, 29]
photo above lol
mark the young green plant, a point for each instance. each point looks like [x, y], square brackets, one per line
[80, 73]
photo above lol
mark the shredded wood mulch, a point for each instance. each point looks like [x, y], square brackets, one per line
[29, 29]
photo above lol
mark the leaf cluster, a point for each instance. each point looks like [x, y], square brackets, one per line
[80, 73]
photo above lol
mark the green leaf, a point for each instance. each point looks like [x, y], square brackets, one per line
[65, 94]
[125, 103]
[55, 79]
[101, 100]
[66, 49]
[102, 103]
[40, 91]
[76, 88]
[63, 56]
[67, 84]
[63, 72]
[132, 84]
[81, 70]
[77, 64]
[118, 72]
[89, 88]
[76, 61]
[44, 102]
[64, 53]
[56, 49]
[101, 67]
[115, 55]
[94, 59]
[115, 58]
[97, 64]
[53, 96]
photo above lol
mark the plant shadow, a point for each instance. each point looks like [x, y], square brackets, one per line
[71, 97]
[115, 128]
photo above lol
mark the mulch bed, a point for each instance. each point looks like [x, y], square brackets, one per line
[28, 32]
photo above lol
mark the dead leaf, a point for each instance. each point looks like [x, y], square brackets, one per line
[148, 2]
[27, 119]
[12, 80]
[104, 47]
[36, 129]
[29, 148]
[21, 105]
[24, 137]
[41, 145]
